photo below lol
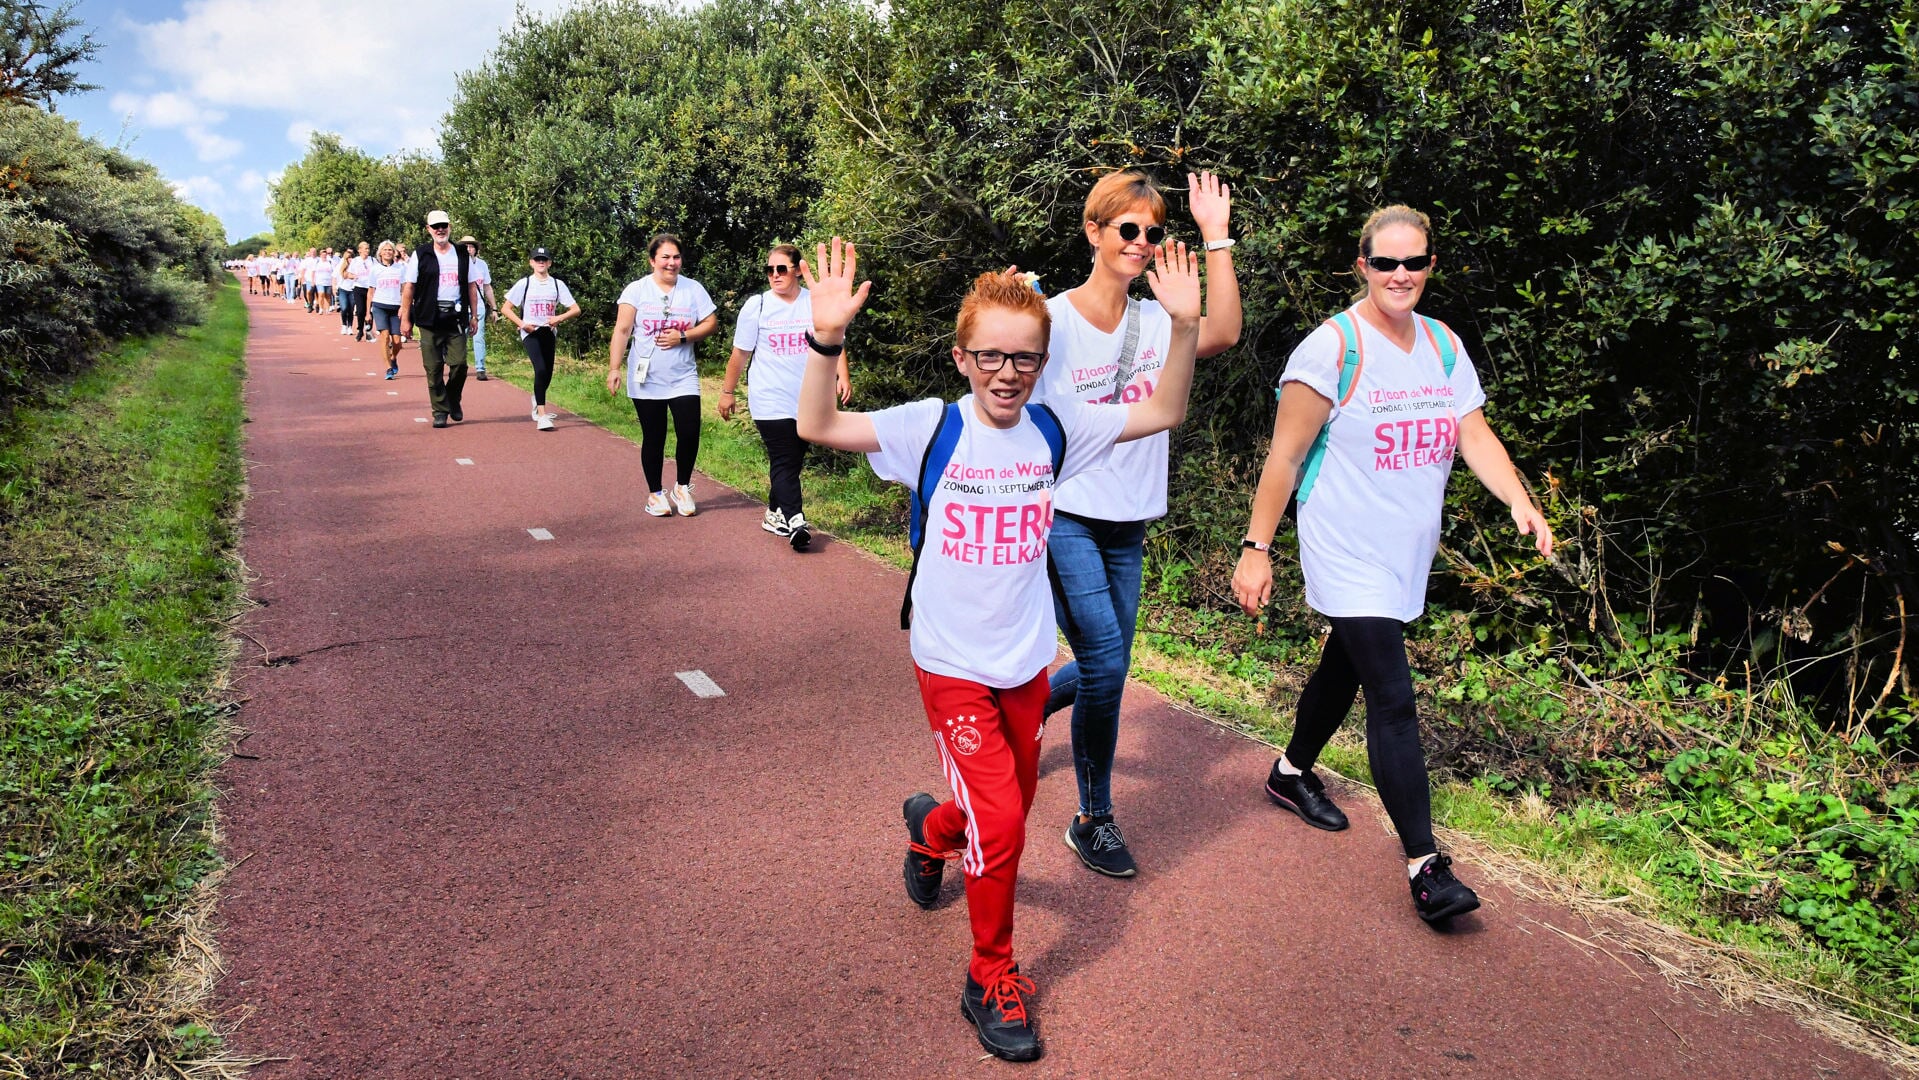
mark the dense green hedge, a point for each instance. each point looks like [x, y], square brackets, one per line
[93, 246]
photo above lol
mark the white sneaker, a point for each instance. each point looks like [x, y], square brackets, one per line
[345, 330]
[536, 407]
[799, 532]
[544, 423]
[775, 523]
[657, 505]
[682, 497]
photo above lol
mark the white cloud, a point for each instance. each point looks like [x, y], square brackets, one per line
[222, 52]
[211, 146]
[165, 110]
[300, 131]
[202, 191]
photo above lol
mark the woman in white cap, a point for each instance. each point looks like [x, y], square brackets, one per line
[547, 303]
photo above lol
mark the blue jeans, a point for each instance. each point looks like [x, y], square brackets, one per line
[479, 344]
[1094, 567]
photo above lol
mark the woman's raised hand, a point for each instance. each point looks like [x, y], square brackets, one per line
[1211, 203]
[835, 300]
[1174, 277]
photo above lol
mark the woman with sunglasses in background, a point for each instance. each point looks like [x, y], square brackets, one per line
[542, 302]
[771, 333]
[1107, 347]
[1372, 407]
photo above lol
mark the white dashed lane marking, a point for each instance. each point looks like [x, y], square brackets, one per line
[392, 393]
[539, 534]
[464, 461]
[419, 419]
[700, 683]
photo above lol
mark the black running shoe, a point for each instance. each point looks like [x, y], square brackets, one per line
[923, 871]
[799, 533]
[480, 375]
[1305, 795]
[439, 419]
[458, 416]
[1100, 846]
[1438, 895]
[998, 1016]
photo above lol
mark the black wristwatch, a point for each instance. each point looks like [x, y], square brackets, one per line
[813, 343]
[1250, 544]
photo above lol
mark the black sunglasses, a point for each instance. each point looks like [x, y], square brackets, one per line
[1129, 232]
[1386, 266]
[541, 258]
[775, 268]
[992, 360]
[437, 228]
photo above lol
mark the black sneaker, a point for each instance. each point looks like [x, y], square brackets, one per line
[998, 1016]
[458, 416]
[1438, 895]
[480, 375]
[1100, 846]
[1305, 795]
[923, 872]
[799, 533]
[439, 419]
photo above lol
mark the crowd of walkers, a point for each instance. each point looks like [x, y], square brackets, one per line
[1030, 497]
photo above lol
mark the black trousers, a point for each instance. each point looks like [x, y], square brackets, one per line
[539, 350]
[686, 447]
[785, 453]
[1371, 653]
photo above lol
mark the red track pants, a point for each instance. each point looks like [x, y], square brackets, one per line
[989, 750]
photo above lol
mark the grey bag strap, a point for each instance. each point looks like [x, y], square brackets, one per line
[1128, 352]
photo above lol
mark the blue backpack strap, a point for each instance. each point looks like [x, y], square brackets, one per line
[1442, 336]
[939, 451]
[1047, 421]
[1352, 362]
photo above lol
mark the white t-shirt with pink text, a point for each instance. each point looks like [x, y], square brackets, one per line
[1082, 365]
[386, 281]
[449, 266]
[539, 302]
[672, 371]
[982, 609]
[774, 331]
[1369, 527]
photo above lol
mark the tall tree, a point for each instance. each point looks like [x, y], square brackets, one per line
[39, 53]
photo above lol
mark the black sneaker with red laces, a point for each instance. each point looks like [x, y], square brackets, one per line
[924, 866]
[998, 1014]
[1438, 895]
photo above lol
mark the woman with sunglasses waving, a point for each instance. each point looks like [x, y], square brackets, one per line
[661, 316]
[1372, 407]
[772, 334]
[1108, 347]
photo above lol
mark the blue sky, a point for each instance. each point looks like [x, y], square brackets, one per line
[222, 94]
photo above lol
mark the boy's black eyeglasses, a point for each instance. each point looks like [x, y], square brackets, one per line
[774, 268]
[1129, 232]
[992, 360]
[1384, 265]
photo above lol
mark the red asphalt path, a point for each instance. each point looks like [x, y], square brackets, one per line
[484, 831]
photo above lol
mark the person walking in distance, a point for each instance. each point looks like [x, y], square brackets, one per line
[387, 280]
[441, 297]
[547, 303]
[491, 302]
[1369, 480]
[343, 286]
[660, 317]
[1107, 346]
[771, 333]
[982, 624]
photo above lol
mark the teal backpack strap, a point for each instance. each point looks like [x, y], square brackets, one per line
[1047, 421]
[1352, 362]
[939, 451]
[1442, 336]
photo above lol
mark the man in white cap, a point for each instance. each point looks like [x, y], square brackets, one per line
[445, 310]
[484, 275]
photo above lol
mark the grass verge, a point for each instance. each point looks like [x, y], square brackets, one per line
[1642, 884]
[117, 496]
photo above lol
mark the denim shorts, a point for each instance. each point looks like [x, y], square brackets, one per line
[386, 318]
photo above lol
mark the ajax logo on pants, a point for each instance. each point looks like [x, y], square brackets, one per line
[962, 735]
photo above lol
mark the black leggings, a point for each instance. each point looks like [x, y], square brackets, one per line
[539, 350]
[686, 447]
[785, 453]
[1371, 652]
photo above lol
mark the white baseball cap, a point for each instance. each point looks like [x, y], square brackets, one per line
[438, 217]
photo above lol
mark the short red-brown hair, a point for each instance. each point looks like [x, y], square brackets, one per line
[1119, 192]
[997, 289]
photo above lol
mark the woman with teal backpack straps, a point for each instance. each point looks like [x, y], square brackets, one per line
[1373, 406]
